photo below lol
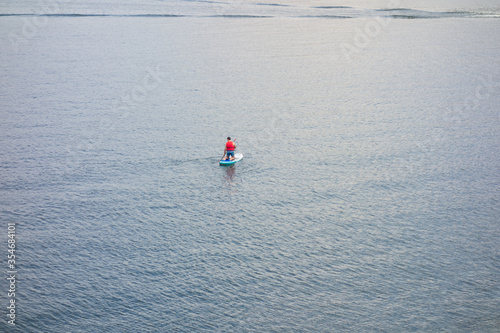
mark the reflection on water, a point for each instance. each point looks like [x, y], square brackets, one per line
[229, 179]
[229, 174]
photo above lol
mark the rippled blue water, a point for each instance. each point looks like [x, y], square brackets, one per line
[367, 200]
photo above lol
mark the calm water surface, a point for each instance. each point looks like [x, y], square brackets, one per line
[367, 200]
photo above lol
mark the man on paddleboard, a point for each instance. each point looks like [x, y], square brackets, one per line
[229, 150]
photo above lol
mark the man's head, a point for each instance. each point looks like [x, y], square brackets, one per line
[229, 138]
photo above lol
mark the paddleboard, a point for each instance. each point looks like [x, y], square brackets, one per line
[237, 158]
